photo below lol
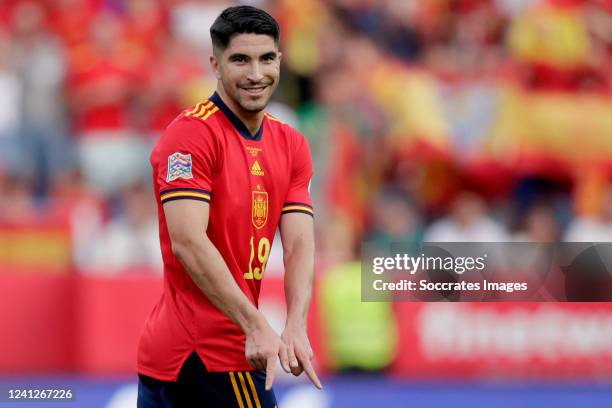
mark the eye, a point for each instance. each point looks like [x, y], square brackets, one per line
[238, 58]
[269, 57]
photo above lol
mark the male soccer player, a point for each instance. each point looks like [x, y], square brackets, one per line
[226, 175]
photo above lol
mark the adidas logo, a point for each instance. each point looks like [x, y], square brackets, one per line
[256, 169]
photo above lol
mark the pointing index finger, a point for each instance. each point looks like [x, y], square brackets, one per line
[282, 353]
[271, 367]
[310, 372]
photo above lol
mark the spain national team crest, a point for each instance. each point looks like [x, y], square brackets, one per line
[260, 208]
[179, 166]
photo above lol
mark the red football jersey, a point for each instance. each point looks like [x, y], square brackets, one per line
[249, 181]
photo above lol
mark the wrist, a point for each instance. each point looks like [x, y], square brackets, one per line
[295, 323]
[255, 322]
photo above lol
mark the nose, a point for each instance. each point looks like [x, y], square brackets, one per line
[255, 74]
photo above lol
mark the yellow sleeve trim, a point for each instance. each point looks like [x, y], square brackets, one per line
[210, 112]
[199, 108]
[203, 110]
[298, 208]
[186, 194]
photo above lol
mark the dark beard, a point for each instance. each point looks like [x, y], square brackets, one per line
[239, 102]
[254, 110]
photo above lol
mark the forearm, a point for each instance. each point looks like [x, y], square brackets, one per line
[210, 273]
[299, 276]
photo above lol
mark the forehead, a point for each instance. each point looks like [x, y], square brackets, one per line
[250, 44]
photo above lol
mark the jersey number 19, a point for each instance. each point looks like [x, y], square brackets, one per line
[258, 266]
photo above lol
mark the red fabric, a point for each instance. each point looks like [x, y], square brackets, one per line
[5, 19]
[343, 192]
[100, 93]
[168, 75]
[70, 20]
[146, 30]
[567, 3]
[216, 159]
[162, 113]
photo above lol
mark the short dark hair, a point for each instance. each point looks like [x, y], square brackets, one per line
[242, 20]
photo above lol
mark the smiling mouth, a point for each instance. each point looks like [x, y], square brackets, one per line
[254, 90]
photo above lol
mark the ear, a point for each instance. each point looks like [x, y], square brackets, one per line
[280, 56]
[214, 64]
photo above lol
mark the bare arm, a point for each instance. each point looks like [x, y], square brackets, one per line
[297, 233]
[187, 221]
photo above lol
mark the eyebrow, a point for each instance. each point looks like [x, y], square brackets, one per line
[238, 55]
[272, 54]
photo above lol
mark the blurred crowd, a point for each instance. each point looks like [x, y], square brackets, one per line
[439, 120]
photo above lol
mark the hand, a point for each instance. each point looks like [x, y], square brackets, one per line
[263, 345]
[300, 353]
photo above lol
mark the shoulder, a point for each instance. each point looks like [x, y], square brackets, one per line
[193, 123]
[199, 118]
[192, 129]
[202, 112]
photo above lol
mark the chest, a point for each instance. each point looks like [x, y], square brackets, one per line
[252, 173]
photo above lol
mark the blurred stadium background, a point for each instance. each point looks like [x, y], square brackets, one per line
[440, 120]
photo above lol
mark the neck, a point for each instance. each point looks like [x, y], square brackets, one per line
[252, 120]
